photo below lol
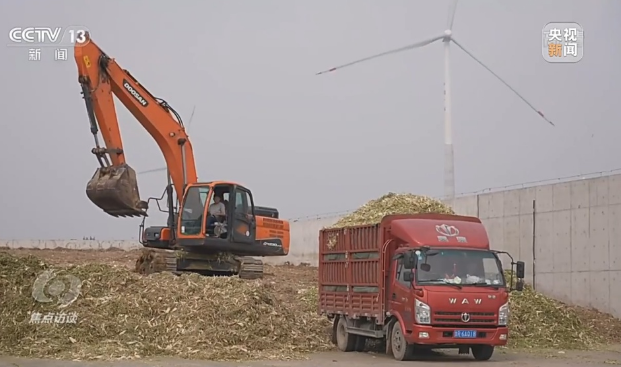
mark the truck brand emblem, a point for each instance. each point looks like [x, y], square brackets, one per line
[446, 230]
[477, 301]
[465, 317]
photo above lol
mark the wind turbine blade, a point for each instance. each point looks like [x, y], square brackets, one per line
[451, 15]
[503, 82]
[154, 170]
[190, 121]
[409, 47]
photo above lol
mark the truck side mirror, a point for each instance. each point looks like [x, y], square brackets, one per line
[520, 269]
[409, 260]
[519, 286]
[408, 276]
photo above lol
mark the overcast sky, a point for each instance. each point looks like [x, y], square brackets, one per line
[308, 144]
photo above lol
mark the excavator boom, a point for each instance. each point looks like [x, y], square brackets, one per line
[114, 187]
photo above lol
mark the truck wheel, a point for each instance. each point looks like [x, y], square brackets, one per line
[361, 343]
[345, 341]
[401, 350]
[482, 352]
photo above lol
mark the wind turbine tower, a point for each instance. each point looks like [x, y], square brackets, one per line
[447, 38]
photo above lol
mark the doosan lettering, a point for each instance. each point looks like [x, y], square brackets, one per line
[135, 93]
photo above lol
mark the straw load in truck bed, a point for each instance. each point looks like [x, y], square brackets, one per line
[389, 204]
[392, 203]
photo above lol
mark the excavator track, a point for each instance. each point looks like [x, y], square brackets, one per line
[250, 268]
[156, 261]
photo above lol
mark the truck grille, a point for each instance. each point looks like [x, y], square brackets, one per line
[480, 319]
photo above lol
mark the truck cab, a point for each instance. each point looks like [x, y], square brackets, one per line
[460, 294]
[436, 284]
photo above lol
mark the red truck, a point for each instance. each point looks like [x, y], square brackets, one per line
[422, 281]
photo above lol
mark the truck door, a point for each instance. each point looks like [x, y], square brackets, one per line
[243, 223]
[399, 296]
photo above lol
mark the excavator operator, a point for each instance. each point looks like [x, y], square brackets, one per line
[217, 211]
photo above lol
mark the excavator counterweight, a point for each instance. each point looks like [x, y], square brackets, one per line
[114, 189]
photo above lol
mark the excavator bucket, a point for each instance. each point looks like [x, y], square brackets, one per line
[115, 191]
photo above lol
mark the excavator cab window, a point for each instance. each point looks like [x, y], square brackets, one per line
[243, 228]
[194, 203]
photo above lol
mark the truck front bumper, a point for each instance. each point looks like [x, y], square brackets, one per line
[430, 335]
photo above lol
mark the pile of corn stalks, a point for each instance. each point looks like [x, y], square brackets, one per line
[120, 314]
[391, 203]
[539, 322]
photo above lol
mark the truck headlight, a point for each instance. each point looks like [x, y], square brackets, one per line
[423, 312]
[503, 315]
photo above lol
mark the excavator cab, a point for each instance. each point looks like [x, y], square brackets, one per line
[114, 189]
[240, 219]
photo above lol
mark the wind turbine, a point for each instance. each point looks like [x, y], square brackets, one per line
[446, 37]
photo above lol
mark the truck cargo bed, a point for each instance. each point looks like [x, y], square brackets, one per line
[350, 271]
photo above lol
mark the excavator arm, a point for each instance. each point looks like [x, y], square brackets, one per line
[114, 186]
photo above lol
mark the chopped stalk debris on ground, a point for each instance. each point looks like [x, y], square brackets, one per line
[538, 321]
[121, 314]
[125, 315]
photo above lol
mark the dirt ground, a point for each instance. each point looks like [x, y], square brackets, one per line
[338, 359]
[303, 275]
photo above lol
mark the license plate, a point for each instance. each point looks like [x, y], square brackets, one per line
[465, 334]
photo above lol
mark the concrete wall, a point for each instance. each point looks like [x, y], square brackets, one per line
[568, 233]
[305, 238]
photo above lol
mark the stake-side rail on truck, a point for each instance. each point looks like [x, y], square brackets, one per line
[416, 281]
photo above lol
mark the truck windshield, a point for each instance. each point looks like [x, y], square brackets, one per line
[465, 267]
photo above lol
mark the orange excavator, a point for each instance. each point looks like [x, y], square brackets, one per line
[195, 239]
